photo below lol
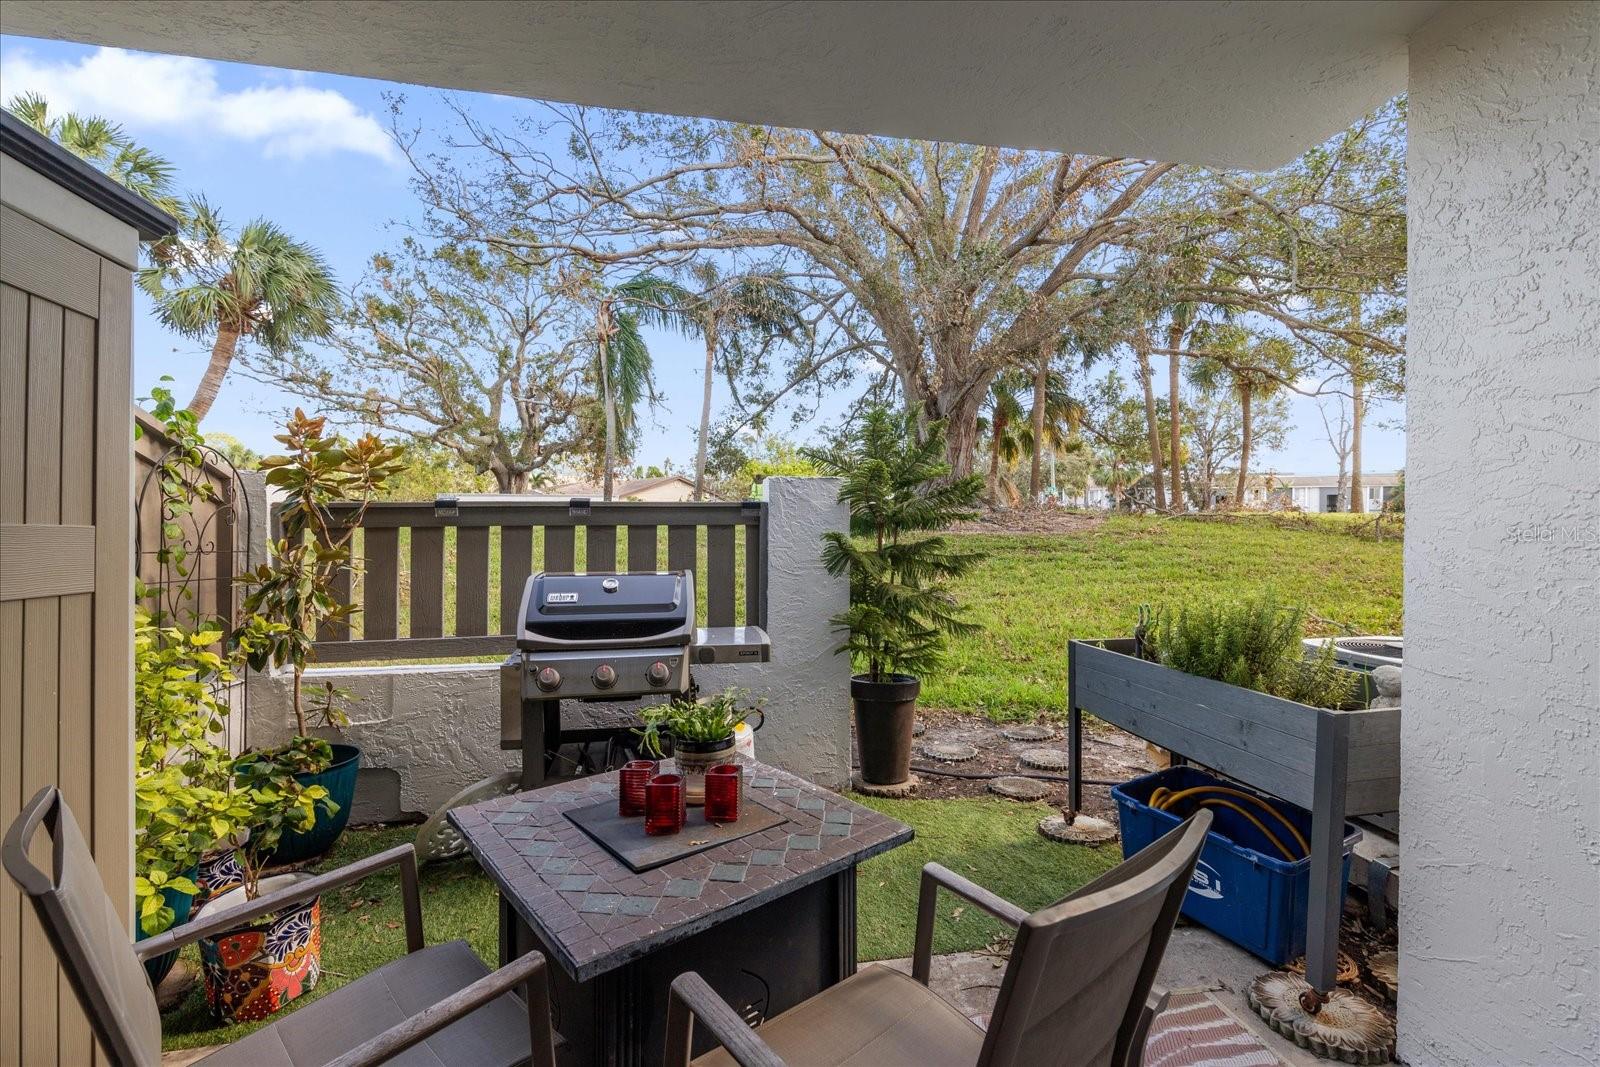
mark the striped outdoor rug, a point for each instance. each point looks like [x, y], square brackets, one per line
[1195, 1031]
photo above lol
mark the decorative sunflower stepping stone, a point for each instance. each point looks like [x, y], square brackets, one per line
[1082, 830]
[1347, 1027]
[1046, 759]
[1013, 787]
[1028, 732]
[918, 728]
[949, 751]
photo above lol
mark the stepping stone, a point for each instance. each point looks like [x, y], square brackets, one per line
[1084, 830]
[1046, 759]
[1028, 733]
[949, 751]
[918, 728]
[895, 789]
[1015, 788]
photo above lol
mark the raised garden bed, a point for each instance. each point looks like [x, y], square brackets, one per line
[1336, 763]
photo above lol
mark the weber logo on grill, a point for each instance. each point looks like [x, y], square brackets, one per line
[561, 598]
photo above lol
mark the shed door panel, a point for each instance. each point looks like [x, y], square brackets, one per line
[65, 596]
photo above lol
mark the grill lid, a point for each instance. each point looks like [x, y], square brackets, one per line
[600, 610]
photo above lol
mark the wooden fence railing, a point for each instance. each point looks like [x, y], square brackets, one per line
[445, 579]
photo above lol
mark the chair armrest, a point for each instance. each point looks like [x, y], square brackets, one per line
[934, 878]
[1154, 1004]
[526, 971]
[205, 926]
[691, 998]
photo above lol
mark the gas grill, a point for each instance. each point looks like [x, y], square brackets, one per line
[605, 637]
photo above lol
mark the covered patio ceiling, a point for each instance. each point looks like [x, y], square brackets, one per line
[1238, 84]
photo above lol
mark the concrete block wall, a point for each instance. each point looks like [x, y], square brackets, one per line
[436, 728]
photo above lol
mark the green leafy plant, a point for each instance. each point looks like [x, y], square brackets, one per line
[711, 719]
[293, 595]
[181, 773]
[900, 491]
[264, 786]
[1254, 644]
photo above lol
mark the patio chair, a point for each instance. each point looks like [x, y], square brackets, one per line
[433, 1005]
[1078, 991]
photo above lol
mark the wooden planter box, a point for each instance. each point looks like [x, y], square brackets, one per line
[1333, 763]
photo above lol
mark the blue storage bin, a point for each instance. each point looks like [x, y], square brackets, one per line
[1242, 887]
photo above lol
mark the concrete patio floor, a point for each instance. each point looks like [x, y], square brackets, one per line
[1197, 961]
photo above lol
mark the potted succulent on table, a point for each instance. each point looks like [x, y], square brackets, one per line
[293, 595]
[902, 611]
[253, 970]
[703, 734]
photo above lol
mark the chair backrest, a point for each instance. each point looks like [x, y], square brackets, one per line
[88, 937]
[1082, 968]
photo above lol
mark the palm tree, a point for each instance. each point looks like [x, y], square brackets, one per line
[1048, 422]
[258, 284]
[731, 314]
[622, 359]
[104, 145]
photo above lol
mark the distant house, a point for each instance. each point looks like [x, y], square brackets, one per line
[670, 488]
[1320, 492]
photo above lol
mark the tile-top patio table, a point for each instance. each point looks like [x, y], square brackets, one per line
[768, 920]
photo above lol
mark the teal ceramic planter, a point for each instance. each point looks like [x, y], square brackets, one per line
[181, 904]
[340, 782]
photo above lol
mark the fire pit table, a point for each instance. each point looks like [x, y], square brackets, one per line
[768, 919]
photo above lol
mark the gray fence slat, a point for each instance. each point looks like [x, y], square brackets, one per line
[427, 582]
[681, 548]
[554, 513]
[754, 573]
[559, 551]
[642, 547]
[516, 563]
[719, 576]
[601, 549]
[337, 629]
[472, 581]
[380, 585]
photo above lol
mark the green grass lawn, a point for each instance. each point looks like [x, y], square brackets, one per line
[1034, 592]
[990, 841]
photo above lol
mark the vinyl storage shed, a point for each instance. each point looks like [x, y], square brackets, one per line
[69, 243]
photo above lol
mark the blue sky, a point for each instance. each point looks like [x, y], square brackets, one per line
[309, 152]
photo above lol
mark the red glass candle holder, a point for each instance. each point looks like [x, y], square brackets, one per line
[724, 783]
[631, 780]
[663, 805]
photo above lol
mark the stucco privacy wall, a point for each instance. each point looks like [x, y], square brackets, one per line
[1500, 814]
[438, 727]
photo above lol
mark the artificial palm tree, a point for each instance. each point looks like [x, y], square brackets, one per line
[731, 315]
[623, 363]
[258, 284]
[104, 145]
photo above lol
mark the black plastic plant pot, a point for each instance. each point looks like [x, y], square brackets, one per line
[886, 712]
[340, 781]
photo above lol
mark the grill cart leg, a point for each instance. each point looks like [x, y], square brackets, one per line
[541, 725]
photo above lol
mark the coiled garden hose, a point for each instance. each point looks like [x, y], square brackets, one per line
[1164, 799]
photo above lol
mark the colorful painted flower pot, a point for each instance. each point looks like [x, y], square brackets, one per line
[254, 970]
[218, 873]
[340, 782]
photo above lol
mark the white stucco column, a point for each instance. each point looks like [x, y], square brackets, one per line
[1500, 811]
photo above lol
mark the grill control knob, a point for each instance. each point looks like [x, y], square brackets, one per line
[605, 676]
[658, 673]
[548, 679]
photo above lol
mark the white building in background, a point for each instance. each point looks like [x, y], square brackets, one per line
[1320, 492]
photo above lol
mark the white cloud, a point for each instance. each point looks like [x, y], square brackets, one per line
[179, 94]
